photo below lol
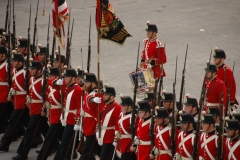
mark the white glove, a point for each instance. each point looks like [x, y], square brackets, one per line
[59, 82]
[28, 99]
[77, 127]
[114, 144]
[176, 156]
[97, 100]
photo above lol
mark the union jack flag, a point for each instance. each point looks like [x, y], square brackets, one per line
[59, 16]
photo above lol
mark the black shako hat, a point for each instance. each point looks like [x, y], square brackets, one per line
[23, 42]
[167, 97]
[186, 118]
[191, 101]
[43, 50]
[152, 28]
[208, 118]
[149, 96]
[70, 72]
[80, 73]
[54, 71]
[126, 101]
[36, 65]
[233, 124]
[18, 57]
[63, 60]
[144, 106]
[219, 53]
[211, 68]
[214, 111]
[109, 90]
[3, 49]
[90, 77]
[162, 113]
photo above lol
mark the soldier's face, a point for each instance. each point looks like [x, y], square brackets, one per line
[87, 86]
[188, 108]
[205, 126]
[230, 133]
[124, 109]
[216, 61]
[106, 98]
[52, 76]
[151, 34]
[21, 49]
[184, 126]
[55, 63]
[209, 75]
[167, 105]
[78, 80]
[67, 79]
[41, 57]
[159, 121]
[33, 72]
[14, 63]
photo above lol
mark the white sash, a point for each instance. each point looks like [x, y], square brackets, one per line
[3, 64]
[183, 141]
[205, 142]
[105, 123]
[121, 120]
[15, 76]
[53, 98]
[34, 90]
[68, 100]
[146, 122]
[231, 150]
[160, 132]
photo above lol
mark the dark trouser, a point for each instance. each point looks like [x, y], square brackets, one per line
[89, 148]
[128, 156]
[107, 152]
[13, 125]
[65, 149]
[50, 140]
[6, 110]
[30, 134]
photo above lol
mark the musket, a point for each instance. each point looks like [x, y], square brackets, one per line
[35, 32]
[14, 29]
[45, 66]
[28, 50]
[202, 103]
[183, 82]
[53, 49]
[229, 91]
[9, 50]
[6, 19]
[174, 114]
[222, 119]
[68, 40]
[71, 44]
[134, 97]
[89, 47]
[159, 99]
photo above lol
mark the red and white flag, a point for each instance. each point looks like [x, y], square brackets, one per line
[59, 16]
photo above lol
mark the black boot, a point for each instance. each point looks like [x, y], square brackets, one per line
[3, 148]
[19, 157]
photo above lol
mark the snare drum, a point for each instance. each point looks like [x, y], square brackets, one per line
[145, 79]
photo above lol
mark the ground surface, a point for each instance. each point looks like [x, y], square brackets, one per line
[179, 23]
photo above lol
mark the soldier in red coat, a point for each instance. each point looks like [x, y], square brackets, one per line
[153, 55]
[231, 146]
[162, 136]
[186, 138]
[54, 107]
[109, 123]
[124, 134]
[143, 139]
[216, 91]
[4, 87]
[17, 95]
[219, 58]
[89, 113]
[208, 140]
[34, 103]
[71, 108]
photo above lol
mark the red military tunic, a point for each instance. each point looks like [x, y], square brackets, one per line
[185, 144]
[4, 88]
[72, 98]
[214, 93]
[162, 141]
[229, 81]
[231, 149]
[19, 88]
[125, 131]
[54, 99]
[154, 49]
[144, 147]
[90, 113]
[207, 149]
[35, 93]
[109, 122]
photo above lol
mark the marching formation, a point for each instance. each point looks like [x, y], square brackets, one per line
[66, 111]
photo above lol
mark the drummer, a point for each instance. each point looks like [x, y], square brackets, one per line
[153, 55]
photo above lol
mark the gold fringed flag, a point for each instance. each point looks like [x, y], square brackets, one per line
[59, 16]
[108, 22]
